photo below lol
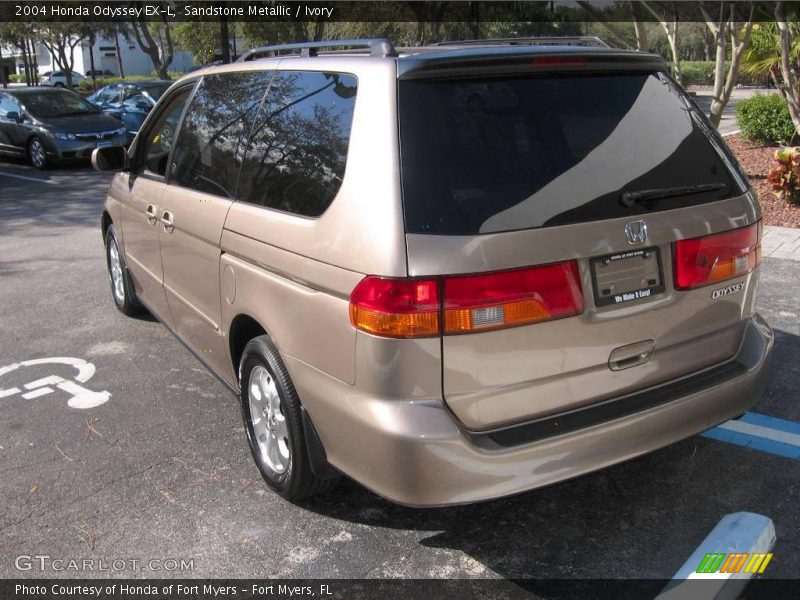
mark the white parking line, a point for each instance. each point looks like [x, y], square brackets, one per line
[767, 433]
[36, 179]
[734, 132]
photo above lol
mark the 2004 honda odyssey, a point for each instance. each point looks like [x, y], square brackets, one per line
[452, 273]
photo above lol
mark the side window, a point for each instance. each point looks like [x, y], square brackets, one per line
[296, 154]
[208, 151]
[8, 104]
[157, 141]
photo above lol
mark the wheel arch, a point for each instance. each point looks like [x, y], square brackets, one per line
[105, 222]
[243, 328]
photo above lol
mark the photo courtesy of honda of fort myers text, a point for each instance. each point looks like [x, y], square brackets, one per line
[399, 299]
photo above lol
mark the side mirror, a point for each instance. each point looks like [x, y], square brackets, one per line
[14, 116]
[110, 159]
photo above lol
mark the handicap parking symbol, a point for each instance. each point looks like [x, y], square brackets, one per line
[80, 396]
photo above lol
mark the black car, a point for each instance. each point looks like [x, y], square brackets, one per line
[129, 102]
[48, 125]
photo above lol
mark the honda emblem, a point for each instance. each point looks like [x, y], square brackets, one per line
[636, 232]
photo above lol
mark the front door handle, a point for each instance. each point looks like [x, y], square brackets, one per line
[166, 219]
[151, 212]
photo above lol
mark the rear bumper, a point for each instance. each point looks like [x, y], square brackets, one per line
[414, 453]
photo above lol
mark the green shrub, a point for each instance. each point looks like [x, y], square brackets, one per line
[85, 85]
[697, 72]
[701, 72]
[765, 119]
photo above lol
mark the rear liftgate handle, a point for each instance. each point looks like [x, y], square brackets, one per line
[631, 355]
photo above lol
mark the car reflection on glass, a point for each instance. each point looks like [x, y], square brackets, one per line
[129, 102]
[49, 125]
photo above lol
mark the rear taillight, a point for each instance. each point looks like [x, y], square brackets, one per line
[509, 298]
[712, 258]
[404, 308]
[398, 308]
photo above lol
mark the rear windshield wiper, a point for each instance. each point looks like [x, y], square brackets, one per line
[631, 198]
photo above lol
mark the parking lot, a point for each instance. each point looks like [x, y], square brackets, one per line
[158, 468]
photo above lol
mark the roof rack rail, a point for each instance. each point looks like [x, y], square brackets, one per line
[380, 47]
[579, 40]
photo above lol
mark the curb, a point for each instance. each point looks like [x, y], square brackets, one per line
[737, 533]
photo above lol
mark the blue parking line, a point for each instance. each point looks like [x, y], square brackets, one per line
[771, 422]
[755, 431]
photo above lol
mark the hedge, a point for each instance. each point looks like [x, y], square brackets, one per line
[765, 119]
[701, 72]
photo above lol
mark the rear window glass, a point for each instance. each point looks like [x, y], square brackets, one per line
[502, 154]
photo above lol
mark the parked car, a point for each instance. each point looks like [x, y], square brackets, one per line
[51, 125]
[129, 102]
[59, 79]
[98, 73]
[450, 273]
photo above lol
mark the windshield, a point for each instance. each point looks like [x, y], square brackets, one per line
[518, 152]
[51, 104]
[155, 91]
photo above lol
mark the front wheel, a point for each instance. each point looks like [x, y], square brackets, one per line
[272, 418]
[121, 287]
[37, 155]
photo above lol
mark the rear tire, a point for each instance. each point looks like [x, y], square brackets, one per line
[271, 412]
[121, 286]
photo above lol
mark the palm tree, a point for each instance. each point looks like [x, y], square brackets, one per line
[763, 57]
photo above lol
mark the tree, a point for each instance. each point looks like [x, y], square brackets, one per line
[726, 23]
[61, 39]
[666, 13]
[155, 40]
[19, 35]
[201, 39]
[787, 65]
[613, 30]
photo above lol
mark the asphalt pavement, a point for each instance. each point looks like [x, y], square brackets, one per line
[159, 469]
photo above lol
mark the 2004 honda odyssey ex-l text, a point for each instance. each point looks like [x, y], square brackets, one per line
[452, 273]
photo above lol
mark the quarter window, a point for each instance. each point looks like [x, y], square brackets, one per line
[208, 150]
[296, 153]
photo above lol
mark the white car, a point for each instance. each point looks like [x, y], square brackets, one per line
[59, 79]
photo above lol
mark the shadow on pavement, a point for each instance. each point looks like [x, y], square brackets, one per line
[74, 196]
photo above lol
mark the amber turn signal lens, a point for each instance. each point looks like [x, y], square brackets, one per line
[399, 308]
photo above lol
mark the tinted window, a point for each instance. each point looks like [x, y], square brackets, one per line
[501, 154]
[297, 150]
[156, 142]
[208, 151]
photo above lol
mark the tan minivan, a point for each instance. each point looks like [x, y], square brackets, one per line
[451, 273]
